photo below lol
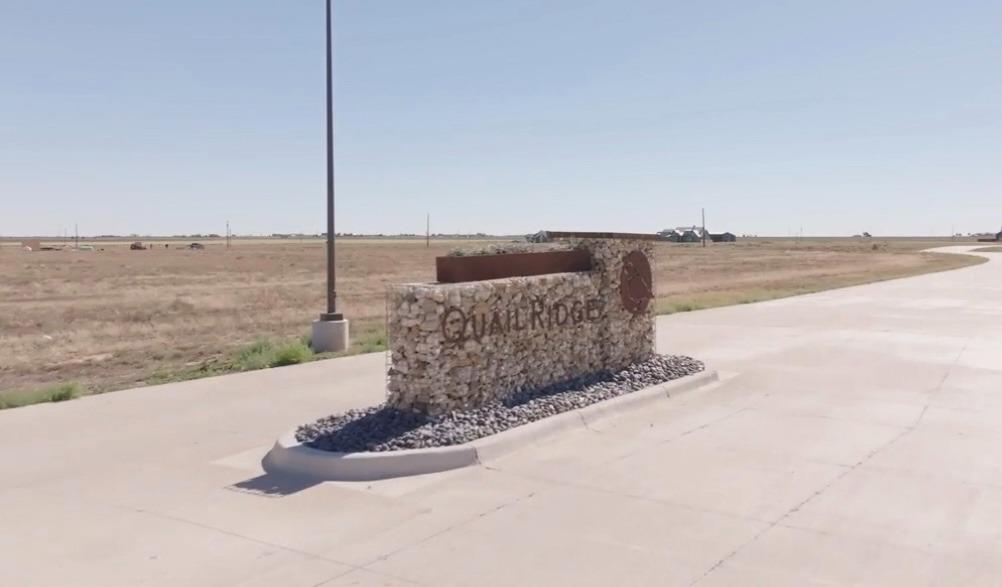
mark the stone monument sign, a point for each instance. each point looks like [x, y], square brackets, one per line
[459, 345]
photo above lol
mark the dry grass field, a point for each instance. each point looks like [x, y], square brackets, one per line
[116, 318]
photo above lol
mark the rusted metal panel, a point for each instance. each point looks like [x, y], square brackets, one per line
[483, 267]
[636, 284]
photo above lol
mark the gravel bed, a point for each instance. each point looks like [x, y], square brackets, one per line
[382, 428]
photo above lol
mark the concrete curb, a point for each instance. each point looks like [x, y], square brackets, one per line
[638, 399]
[496, 445]
[289, 456]
[502, 443]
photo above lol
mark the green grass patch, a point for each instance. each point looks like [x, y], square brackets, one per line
[260, 354]
[291, 354]
[206, 369]
[256, 355]
[55, 393]
[265, 353]
[674, 306]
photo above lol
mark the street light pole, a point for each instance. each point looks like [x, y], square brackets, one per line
[330, 332]
[331, 313]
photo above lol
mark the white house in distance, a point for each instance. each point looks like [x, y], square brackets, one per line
[694, 234]
[683, 234]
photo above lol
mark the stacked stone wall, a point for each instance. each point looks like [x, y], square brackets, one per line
[460, 345]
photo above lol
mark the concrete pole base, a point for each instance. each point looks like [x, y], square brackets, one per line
[329, 336]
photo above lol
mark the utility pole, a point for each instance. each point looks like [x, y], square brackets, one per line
[331, 313]
[704, 227]
[427, 232]
[330, 332]
[227, 234]
[76, 235]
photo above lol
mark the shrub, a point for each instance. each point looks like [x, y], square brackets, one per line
[264, 353]
[257, 355]
[291, 353]
[64, 392]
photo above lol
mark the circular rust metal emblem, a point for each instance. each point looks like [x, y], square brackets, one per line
[636, 286]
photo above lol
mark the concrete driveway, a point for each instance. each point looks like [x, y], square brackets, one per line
[856, 438]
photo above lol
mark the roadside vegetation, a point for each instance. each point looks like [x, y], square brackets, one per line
[988, 250]
[55, 393]
[269, 353]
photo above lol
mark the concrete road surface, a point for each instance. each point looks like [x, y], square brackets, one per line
[856, 439]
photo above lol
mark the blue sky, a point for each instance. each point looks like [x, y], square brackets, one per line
[155, 117]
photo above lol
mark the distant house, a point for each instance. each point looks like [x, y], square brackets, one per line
[683, 234]
[694, 234]
[998, 238]
[689, 235]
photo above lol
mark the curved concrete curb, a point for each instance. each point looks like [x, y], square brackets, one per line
[496, 445]
[289, 456]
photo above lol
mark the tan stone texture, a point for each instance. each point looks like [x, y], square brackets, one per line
[461, 345]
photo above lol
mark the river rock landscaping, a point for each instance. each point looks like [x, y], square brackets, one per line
[384, 428]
